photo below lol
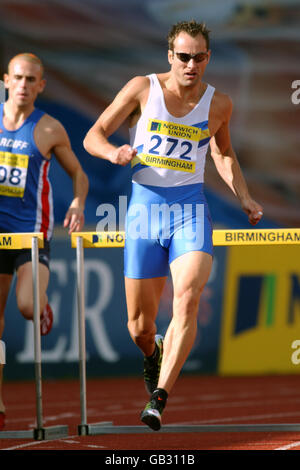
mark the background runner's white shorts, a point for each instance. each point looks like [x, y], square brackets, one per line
[162, 224]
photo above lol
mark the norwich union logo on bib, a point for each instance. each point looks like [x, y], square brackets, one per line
[174, 130]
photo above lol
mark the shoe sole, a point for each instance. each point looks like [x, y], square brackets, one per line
[151, 420]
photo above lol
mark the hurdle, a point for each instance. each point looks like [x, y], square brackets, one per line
[242, 237]
[33, 241]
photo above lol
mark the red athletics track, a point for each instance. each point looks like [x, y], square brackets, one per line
[194, 400]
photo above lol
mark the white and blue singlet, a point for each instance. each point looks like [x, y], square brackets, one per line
[168, 213]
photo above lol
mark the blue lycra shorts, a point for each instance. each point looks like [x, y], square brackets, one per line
[162, 224]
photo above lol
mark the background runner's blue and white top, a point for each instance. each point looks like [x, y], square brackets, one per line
[171, 150]
[26, 203]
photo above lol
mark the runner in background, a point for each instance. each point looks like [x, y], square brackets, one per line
[28, 139]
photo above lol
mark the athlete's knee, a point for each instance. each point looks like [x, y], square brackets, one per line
[140, 328]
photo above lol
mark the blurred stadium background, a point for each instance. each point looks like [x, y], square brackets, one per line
[250, 310]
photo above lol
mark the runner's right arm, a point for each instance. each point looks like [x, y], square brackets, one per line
[126, 103]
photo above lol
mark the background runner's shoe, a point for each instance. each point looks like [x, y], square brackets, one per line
[46, 320]
[152, 366]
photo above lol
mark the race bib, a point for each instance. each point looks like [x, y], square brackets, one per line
[170, 145]
[13, 173]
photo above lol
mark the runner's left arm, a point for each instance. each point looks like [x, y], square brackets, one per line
[74, 218]
[229, 168]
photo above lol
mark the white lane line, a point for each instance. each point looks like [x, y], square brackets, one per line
[68, 441]
[46, 418]
[96, 447]
[289, 446]
[233, 419]
[30, 444]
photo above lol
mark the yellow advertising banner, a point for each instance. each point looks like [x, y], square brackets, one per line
[260, 331]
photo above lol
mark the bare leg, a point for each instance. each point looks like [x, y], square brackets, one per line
[24, 289]
[24, 294]
[190, 273]
[142, 297]
[5, 283]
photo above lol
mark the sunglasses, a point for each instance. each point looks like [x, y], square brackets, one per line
[187, 57]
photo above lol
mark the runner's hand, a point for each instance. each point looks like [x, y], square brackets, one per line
[74, 219]
[123, 155]
[253, 210]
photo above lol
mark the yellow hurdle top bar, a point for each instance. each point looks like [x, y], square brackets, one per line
[18, 241]
[256, 237]
[220, 238]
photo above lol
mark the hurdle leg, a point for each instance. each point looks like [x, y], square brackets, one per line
[37, 337]
[82, 428]
[40, 432]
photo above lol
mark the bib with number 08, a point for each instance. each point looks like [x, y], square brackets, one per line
[13, 173]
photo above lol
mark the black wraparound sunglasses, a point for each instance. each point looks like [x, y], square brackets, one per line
[187, 57]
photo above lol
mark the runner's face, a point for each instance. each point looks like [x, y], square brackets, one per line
[188, 73]
[24, 82]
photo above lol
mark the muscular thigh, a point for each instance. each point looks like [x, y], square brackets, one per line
[190, 273]
[143, 296]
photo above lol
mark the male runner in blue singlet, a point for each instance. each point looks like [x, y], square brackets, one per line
[28, 139]
[173, 117]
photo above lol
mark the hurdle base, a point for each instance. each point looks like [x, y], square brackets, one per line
[38, 434]
[109, 428]
[25, 434]
[94, 429]
[50, 433]
[83, 430]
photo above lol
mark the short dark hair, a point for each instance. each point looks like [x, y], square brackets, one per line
[193, 28]
[29, 58]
